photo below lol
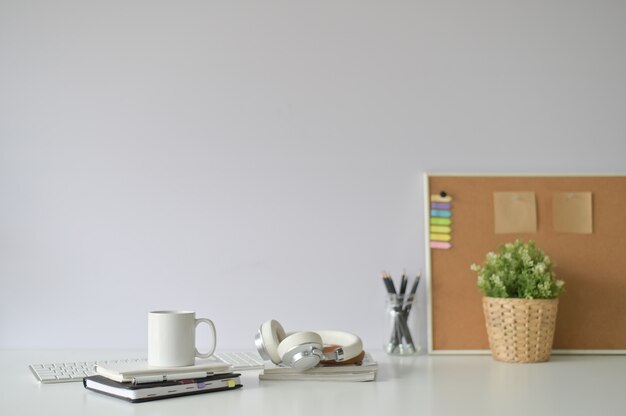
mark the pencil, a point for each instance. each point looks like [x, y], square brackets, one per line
[388, 283]
[411, 297]
[403, 284]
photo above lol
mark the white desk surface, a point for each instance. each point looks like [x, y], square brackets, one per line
[420, 385]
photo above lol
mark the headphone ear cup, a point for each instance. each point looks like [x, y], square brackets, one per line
[271, 334]
[298, 342]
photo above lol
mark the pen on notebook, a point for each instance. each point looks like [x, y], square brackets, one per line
[170, 377]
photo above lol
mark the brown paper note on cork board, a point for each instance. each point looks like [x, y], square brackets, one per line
[515, 212]
[572, 212]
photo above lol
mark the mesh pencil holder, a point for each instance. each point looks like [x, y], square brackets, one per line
[520, 330]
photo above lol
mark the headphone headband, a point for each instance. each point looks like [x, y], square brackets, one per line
[350, 344]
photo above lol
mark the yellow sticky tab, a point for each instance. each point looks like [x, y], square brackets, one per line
[231, 383]
[439, 198]
[440, 229]
[440, 237]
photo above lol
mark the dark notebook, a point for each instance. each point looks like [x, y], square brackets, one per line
[164, 389]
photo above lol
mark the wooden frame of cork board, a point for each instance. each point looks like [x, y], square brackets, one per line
[592, 312]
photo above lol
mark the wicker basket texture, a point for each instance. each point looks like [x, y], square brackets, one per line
[520, 330]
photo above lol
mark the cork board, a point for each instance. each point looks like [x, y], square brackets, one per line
[592, 311]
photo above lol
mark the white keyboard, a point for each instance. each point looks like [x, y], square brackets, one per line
[241, 361]
[75, 371]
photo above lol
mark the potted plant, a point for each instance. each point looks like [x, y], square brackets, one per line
[520, 302]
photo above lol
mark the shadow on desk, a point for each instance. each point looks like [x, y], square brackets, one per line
[398, 367]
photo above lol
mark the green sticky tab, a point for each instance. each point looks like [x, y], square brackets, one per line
[231, 383]
[440, 221]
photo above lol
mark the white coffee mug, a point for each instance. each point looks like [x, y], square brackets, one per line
[172, 338]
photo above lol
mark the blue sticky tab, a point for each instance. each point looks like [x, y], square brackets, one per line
[442, 213]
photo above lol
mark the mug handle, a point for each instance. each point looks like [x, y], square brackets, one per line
[214, 337]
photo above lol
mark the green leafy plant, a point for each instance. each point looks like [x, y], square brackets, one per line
[518, 270]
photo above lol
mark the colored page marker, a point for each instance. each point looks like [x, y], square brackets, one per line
[440, 221]
[440, 244]
[442, 213]
[440, 237]
[439, 198]
[440, 229]
[440, 205]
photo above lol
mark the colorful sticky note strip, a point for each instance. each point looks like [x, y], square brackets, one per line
[440, 229]
[439, 198]
[440, 205]
[442, 213]
[440, 237]
[440, 221]
[440, 244]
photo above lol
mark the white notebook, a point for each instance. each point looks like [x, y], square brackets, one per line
[127, 371]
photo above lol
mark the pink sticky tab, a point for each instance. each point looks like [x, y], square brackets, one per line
[440, 244]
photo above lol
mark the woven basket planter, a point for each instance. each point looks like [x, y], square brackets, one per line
[520, 330]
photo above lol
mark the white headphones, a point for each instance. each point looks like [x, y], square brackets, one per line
[303, 350]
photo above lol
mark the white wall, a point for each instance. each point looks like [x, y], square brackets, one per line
[263, 159]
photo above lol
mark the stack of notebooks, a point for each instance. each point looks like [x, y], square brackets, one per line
[138, 382]
[361, 371]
